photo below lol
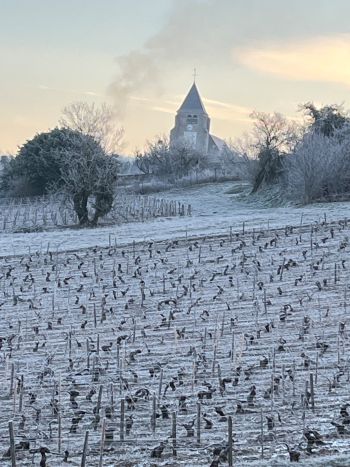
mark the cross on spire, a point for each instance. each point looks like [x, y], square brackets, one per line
[194, 74]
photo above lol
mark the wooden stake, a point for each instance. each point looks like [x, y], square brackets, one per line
[173, 433]
[262, 433]
[100, 464]
[214, 360]
[312, 392]
[272, 392]
[83, 457]
[335, 273]
[154, 417]
[198, 423]
[12, 379]
[160, 385]
[21, 394]
[118, 352]
[293, 379]
[12, 445]
[99, 400]
[112, 397]
[59, 433]
[122, 417]
[230, 443]
[14, 403]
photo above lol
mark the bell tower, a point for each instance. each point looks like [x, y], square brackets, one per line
[192, 123]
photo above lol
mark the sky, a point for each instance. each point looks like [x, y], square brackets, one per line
[139, 56]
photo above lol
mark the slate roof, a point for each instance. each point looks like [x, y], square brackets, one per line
[218, 142]
[193, 101]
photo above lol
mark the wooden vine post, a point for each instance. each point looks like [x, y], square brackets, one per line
[100, 464]
[59, 433]
[85, 449]
[12, 445]
[198, 423]
[122, 417]
[173, 433]
[262, 433]
[154, 416]
[312, 391]
[160, 385]
[230, 442]
[12, 379]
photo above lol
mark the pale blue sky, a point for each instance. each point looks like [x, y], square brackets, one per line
[263, 54]
[114, 26]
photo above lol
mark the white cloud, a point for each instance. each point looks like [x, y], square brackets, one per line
[325, 59]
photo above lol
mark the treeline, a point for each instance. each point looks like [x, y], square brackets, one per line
[308, 161]
[79, 159]
[175, 162]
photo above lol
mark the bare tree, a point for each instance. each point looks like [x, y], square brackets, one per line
[272, 137]
[96, 121]
[172, 162]
[273, 132]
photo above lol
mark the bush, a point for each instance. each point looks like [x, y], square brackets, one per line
[67, 162]
[36, 168]
[169, 162]
[319, 168]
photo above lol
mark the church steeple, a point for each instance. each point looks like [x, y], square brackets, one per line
[192, 126]
[193, 101]
[192, 123]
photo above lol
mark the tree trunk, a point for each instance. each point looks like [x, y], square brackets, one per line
[80, 201]
[103, 204]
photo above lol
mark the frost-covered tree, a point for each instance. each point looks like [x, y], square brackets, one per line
[319, 168]
[235, 161]
[36, 167]
[272, 131]
[272, 137]
[325, 120]
[69, 163]
[100, 122]
[88, 178]
[172, 162]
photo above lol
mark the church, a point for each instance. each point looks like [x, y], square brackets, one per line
[192, 127]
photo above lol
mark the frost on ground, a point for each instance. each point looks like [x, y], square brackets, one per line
[238, 324]
[52, 212]
[214, 211]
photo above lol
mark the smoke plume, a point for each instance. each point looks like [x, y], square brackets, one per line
[203, 33]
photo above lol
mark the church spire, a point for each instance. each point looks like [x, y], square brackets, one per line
[193, 101]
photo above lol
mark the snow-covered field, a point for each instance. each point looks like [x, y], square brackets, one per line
[52, 213]
[213, 212]
[232, 322]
